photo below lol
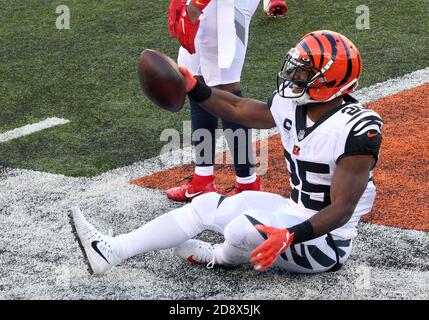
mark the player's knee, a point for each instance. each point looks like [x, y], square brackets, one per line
[205, 206]
[235, 232]
[216, 211]
[242, 231]
[205, 201]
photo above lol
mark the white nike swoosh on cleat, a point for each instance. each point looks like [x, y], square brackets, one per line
[191, 195]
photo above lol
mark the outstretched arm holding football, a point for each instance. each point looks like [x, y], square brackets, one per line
[248, 112]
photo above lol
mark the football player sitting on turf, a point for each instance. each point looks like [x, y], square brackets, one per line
[331, 146]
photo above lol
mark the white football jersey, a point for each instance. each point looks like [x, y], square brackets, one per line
[312, 153]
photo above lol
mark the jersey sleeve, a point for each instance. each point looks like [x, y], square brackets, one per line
[282, 110]
[363, 137]
[271, 99]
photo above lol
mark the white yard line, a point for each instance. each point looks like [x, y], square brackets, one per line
[392, 86]
[31, 128]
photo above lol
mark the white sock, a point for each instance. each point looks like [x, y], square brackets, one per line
[204, 171]
[164, 232]
[247, 180]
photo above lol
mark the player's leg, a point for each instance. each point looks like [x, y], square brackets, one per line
[204, 127]
[239, 139]
[318, 255]
[102, 252]
[210, 211]
[204, 124]
[217, 215]
[217, 211]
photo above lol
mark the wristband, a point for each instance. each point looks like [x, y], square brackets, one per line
[201, 92]
[303, 232]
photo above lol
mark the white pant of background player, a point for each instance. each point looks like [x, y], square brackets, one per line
[220, 51]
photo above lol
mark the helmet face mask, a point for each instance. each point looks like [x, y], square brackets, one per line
[297, 74]
[323, 65]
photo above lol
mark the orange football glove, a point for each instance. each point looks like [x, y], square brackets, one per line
[174, 11]
[277, 243]
[187, 31]
[190, 81]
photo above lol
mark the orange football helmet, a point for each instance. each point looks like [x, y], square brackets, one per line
[332, 64]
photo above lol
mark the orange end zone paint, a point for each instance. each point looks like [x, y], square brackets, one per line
[401, 177]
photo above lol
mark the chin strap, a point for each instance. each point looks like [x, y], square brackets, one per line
[304, 99]
[298, 98]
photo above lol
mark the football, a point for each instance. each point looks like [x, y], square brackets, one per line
[161, 80]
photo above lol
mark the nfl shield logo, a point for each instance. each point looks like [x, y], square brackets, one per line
[301, 135]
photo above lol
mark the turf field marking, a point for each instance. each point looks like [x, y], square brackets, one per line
[31, 128]
[392, 86]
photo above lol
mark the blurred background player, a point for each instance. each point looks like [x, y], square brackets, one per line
[214, 37]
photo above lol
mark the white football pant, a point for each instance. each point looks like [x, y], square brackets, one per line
[205, 62]
[235, 217]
